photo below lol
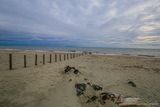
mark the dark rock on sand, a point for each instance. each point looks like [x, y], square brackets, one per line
[157, 70]
[104, 96]
[96, 87]
[132, 83]
[71, 69]
[85, 79]
[70, 80]
[80, 88]
[76, 71]
[88, 83]
[67, 69]
[92, 99]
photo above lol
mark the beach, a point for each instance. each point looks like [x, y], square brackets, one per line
[48, 86]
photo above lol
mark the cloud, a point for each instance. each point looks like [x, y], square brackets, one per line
[100, 22]
[148, 39]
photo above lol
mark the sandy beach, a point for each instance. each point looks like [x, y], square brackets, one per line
[48, 86]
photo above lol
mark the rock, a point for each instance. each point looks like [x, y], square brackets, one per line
[96, 87]
[132, 83]
[116, 98]
[71, 69]
[112, 97]
[70, 80]
[104, 96]
[76, 71]
[85, 79]
[80, 88]
[67, 69]
[92, 99]
[88, 83]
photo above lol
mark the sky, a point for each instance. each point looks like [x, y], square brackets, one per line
[81, 23]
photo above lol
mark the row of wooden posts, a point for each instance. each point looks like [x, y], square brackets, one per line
[67, 56]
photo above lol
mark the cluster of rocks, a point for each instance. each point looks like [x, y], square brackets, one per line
[82, 87]
[101, 98]
[93, 93]
[71, 69]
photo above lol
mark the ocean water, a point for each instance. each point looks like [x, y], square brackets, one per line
[119, 51]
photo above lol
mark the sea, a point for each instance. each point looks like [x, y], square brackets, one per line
[94, 50]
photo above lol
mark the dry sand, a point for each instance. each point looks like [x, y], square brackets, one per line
[48, 86]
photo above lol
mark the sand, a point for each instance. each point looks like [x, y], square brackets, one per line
[47, 85]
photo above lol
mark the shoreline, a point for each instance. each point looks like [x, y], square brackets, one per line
[74, 51]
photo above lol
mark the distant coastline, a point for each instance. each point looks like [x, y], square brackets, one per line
[98, 51]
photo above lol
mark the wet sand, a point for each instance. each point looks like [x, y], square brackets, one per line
[47, 85]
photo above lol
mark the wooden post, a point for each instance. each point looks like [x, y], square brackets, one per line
[64, 56]
[10, 61]
[67, 56]
[59, 57]
[25, 61]
[43, 59]
[50, 57]
[36, 59]
[55, 57]
[70, 55]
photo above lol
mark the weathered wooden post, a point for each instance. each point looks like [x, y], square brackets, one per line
[50, 57]
[73, 55]
[10, 61]
[67, 56]
[55, 57]
[64, 56]
[59, 57]
[43, 59]
[25, 61]
[70, 55]
[36, 59]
